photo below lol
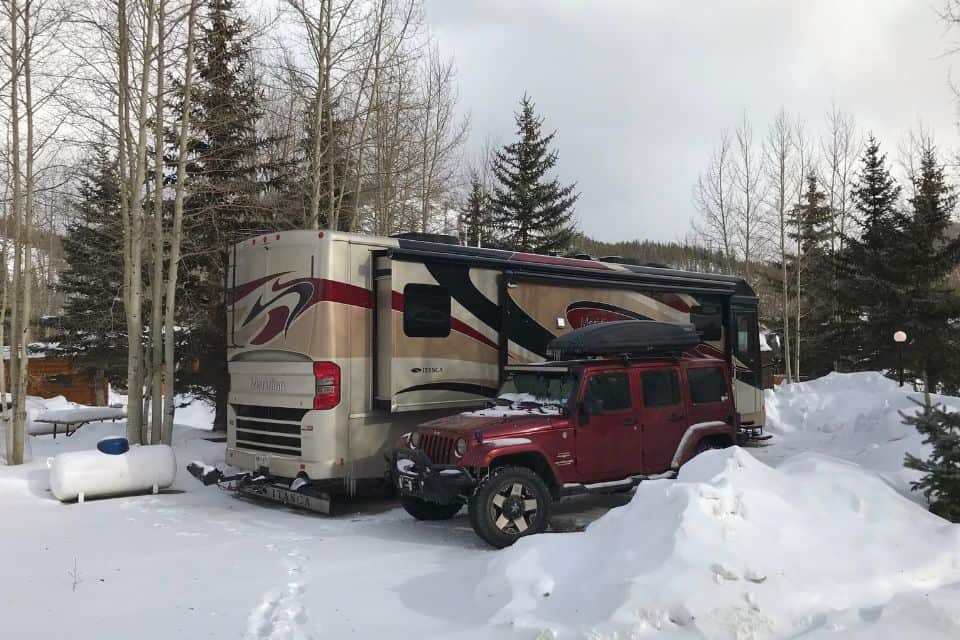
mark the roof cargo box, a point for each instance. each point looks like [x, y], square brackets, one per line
[626, 337]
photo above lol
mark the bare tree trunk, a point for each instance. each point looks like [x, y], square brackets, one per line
[5, 417]
[26, 286]
[176, 232]
[751, 190]
[803, 162]
[132, 210]
[778, 156]
[712, 198]
[157, 328]
[15, 453]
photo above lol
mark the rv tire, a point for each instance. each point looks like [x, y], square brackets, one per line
[423, 510]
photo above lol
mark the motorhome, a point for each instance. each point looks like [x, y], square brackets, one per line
[338, 343]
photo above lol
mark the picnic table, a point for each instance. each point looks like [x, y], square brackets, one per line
[76, 418]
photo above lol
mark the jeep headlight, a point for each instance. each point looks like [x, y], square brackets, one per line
[460, 447]
[415, 439]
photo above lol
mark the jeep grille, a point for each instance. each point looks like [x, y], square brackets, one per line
[438, 447]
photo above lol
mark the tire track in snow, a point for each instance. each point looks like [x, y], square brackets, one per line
[281, 614]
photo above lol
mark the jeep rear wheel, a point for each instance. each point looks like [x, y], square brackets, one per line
[423, 510]
[510, 503]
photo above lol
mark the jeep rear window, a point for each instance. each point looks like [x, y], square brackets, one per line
[553, 388]
[660, 388]
[706, 385]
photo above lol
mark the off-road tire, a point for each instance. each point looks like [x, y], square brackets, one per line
[423, 510]
[707, 444]
[502, 483]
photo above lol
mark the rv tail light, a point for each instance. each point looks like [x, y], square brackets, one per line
[327, 376]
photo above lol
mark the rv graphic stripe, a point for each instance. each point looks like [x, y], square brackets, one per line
[462, 387]
[456, 278]
[303, 293]
[583, 313]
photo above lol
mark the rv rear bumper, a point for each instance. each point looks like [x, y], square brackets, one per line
[415, 475]
[283, 466]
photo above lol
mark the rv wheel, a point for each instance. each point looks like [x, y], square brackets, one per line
[511, 503]
[423, 510]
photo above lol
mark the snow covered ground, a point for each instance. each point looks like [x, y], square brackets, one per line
[816, 535]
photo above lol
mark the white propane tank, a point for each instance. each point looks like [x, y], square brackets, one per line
[86, 474]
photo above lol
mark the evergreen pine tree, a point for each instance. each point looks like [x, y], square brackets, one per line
[531, 212]
[871, 268]
[92, 327]
[931, 257]
[941, 471]
[811, 224]
[475, 220]
[227, 179]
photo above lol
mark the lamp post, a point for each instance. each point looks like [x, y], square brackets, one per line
[900, 337]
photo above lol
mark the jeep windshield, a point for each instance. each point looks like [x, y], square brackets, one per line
[537, 388]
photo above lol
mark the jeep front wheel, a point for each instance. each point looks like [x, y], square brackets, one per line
[423, 510]
[510, 503]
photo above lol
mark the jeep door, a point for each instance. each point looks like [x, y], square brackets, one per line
[607, 437]
[663, 418]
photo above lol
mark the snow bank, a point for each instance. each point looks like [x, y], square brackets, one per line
[92, 473]
[731, 549]
[855, 416]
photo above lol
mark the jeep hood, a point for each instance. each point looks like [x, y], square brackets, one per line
[495, 426]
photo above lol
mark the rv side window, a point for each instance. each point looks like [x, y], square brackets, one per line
[707, 319]
[748, 340]
[706, 385]
[426, 311]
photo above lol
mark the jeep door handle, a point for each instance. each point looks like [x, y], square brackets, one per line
[629, 422]
[676, 418]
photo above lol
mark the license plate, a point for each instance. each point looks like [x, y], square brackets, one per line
[288, 497]
[261, 460]
[409, 484]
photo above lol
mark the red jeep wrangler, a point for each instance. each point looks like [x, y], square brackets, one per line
[562, 428]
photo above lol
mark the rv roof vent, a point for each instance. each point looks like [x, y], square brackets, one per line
[625, 337]
[579, 256]
[440, 238]
[617, 260]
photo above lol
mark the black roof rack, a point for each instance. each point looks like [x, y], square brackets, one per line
[631, 338]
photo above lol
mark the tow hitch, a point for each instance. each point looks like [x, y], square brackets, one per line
[297, 493]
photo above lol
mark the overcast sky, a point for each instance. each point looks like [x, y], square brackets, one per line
[639, 90]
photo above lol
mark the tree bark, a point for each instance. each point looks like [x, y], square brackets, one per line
[132, 210]
[157, 328]
[176, 232]
[15, 454]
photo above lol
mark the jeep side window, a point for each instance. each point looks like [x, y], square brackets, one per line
[612, 390]
[660, 388]
[706, 385]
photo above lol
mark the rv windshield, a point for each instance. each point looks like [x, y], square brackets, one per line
[540, 387]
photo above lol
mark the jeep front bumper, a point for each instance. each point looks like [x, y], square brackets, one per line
[415, 475]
